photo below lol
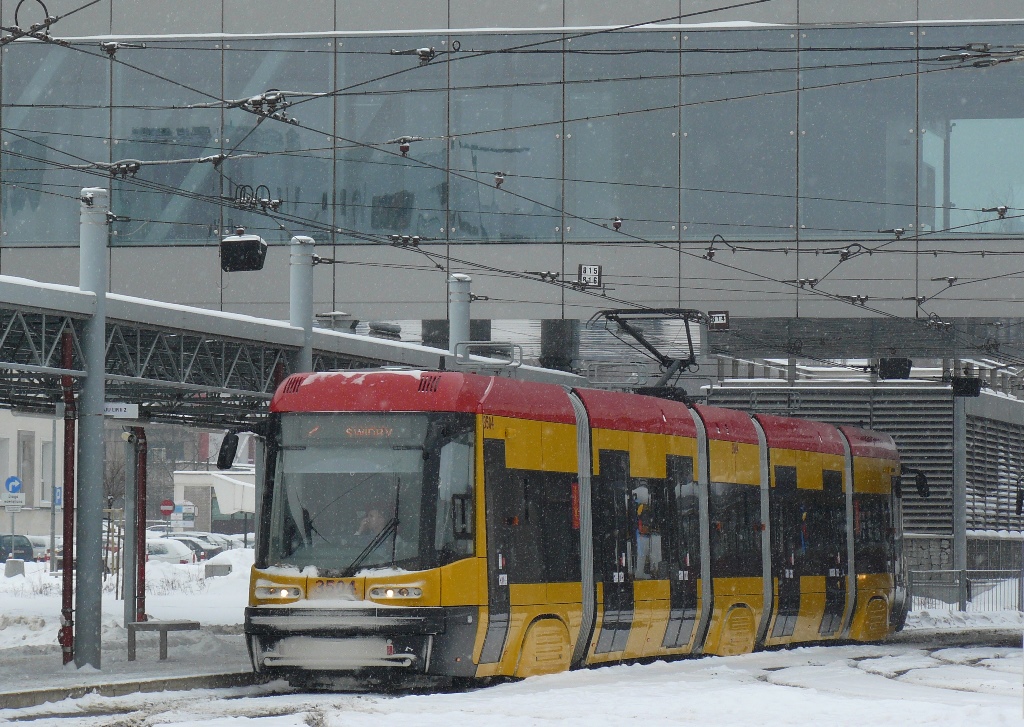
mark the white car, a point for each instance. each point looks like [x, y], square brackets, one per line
[244, 540]
[168, 550]
[40, 544]
[223, 541]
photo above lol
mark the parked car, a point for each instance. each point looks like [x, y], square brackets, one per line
[40, 547]
[244, 540]
[169, 550]
[22, 548]
[203, 548]
[218, 539]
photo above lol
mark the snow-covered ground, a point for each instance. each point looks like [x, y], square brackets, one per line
[919, 680]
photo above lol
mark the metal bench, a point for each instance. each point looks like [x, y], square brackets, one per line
[163, 627]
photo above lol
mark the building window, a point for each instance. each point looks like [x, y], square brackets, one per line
[27, 465]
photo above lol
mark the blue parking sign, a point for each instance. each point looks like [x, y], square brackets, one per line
[58, 497]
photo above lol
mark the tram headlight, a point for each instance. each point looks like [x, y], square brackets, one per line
[278, 593]
[395, 592]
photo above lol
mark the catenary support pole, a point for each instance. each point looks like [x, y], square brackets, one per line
[58, 413]
[141, 475]
[93, 277]
[301, 298]
[959, 483]
[459, 299]
[66, 637]
[131, 527]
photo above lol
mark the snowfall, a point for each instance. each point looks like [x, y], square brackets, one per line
[945, 669]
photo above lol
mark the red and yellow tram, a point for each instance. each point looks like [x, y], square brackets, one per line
[456, 525]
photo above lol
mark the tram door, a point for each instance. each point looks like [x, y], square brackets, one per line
[613, 549]
[681, 544]
[833, 550]
[789, 547]
[501, 519]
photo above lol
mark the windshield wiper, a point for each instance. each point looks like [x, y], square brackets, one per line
[390, 527]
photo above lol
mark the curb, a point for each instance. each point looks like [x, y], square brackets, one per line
[34, 697]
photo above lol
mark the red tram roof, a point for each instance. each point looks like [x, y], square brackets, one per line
[727, 424]
[801, 434]
[636, 413]
[422, 391]
[526, 400]
[866, 443]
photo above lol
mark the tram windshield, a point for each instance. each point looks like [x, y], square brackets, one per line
[359, 491]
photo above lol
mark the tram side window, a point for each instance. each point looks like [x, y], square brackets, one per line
[872, 533]
[560, 540]
[453, 537]
[735, 530]
[530, 521]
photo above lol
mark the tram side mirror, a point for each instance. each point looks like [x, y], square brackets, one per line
[462, 517]
[922, 484]
[228, 450]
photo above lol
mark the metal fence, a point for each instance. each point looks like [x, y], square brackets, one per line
[966, 590]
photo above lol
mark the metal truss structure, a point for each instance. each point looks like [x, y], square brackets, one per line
[179, 364]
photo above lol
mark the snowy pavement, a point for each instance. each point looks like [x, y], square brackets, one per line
[946, 669]
[841, 685]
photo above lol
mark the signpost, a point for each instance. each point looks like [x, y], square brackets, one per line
[166, 507]
[183, 514]
[13, 499]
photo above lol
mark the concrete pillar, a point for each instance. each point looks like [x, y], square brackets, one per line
[94, 277]
[435, 332]
[459, 298]
[559, 343]
[300, 298]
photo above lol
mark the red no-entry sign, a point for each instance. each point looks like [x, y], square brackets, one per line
[166, 507]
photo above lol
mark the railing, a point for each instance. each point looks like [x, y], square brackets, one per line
[966, 590]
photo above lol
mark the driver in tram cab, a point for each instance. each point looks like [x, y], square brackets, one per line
[373, 521]
[376, 519]
[644, 521]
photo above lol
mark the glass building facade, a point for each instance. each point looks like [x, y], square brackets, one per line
[782, 137]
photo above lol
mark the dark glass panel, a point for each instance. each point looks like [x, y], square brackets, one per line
[153, 87]
[377, 190]
[505, 118]
[297, 166]
[55, 115]
[739, 126]
[857, 131]
[622, 154]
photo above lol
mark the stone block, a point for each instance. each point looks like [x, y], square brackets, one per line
[215, 570]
